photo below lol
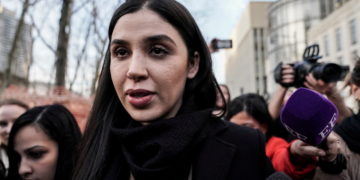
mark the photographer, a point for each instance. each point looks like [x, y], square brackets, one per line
[349, 136]
[328, 89]
[321, 77]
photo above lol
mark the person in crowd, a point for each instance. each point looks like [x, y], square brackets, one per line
[349, 136]
[282, 93]
[297, 159]
[42, 144]
[152, 115]
[10, 109]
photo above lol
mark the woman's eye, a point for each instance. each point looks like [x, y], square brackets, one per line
[3, 124]
[36, 154]
[120, 52]
[158, 51]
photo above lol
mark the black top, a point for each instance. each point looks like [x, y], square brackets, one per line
[232, 152]
[178, 148]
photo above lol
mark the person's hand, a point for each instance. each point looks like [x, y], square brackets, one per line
[333, 144]
[288, 74]
[301, 149]
[319, 85]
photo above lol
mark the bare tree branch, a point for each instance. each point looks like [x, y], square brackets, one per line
[100, 47]
[38, 32]
[81, 55]
[83, 4]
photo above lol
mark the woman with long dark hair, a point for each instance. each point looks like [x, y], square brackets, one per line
[43, 143]
[152, 115]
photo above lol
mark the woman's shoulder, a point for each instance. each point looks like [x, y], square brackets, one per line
[238, 135]
[239, 150]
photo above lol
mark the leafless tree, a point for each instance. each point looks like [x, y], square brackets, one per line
[81, 56]
[63, 43]
[100, 45]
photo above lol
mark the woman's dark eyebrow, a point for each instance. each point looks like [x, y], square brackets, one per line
[158, 38]
[119, 42]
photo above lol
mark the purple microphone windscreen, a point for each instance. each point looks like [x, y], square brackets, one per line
[309, 116]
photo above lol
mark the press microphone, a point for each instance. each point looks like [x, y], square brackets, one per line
[309, 116]
[278, 176]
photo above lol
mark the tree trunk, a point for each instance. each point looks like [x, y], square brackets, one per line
[63, 42]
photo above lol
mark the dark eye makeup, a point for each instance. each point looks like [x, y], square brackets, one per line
[3, 124]
[35, 154]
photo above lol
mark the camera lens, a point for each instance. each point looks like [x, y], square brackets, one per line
[328, 72]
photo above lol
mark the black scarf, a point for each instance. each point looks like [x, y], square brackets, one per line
[163, 149]
[349, 131]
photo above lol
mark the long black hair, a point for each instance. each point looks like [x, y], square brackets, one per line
[202, 88]
[60, 125]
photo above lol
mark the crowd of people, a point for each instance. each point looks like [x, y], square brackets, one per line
[159, 113]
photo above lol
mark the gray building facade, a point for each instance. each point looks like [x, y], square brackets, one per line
[22, 58]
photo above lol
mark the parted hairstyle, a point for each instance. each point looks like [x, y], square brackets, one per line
[107, 107]
[60, 125]
[254, 105]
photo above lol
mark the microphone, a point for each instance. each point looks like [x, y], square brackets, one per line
[278, 176]
[309, 116]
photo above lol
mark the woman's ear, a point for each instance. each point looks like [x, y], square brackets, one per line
[193, 67]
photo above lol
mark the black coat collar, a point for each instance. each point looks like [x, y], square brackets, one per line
[215, 157]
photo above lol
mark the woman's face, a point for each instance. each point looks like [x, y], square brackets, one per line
[244, 119]
[38, 153]
[8, 115]
[149, 65]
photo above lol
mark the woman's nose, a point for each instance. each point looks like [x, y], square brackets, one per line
[137, 69]
[25, 169]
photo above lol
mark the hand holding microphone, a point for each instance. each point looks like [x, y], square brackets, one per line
[309, 116]
[333, 144]
[302, 149]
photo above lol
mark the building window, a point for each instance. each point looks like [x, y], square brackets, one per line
[326, 46]
[338, 39]
[353, 31]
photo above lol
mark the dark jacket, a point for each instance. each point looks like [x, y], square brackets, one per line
[226, 152]
[232, 152]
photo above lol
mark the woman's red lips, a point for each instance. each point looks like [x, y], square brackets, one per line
[139, 98]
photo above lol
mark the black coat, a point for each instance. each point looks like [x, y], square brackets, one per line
[227, 152]
[232, 152]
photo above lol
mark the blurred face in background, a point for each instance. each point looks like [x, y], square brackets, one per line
[149, 66]
[8, 115]
[38, 153]
[244, 119]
